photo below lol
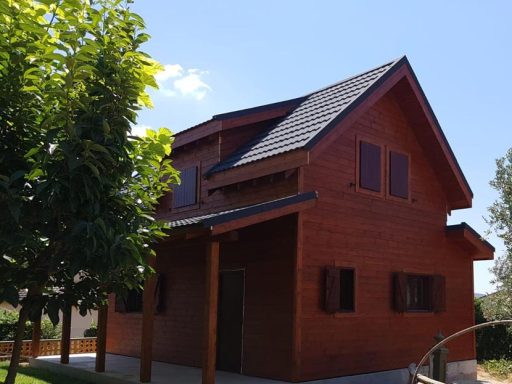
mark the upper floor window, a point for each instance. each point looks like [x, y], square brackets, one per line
[398, 175]
[340, 290]
[370, 167]
[186, 192]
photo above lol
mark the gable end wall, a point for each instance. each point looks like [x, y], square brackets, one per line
[377, 236]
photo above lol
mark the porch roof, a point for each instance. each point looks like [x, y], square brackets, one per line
[469, 239]
[217, 222]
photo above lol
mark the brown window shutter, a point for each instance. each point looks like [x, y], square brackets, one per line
[185, 193]
[332, 289]
[370, 166]
[120, 304]
[190, 186]
[400, 292]
[438, 293]
[398, 175]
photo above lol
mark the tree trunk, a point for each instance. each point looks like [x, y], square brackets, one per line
[16, 351]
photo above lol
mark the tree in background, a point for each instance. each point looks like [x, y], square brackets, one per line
[77, 193]
[499, 305]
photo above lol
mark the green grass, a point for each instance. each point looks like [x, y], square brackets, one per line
[501, 369]
[29, 375]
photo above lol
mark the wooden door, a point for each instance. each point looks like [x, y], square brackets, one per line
[230, 321]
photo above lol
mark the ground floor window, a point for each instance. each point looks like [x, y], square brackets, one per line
[340, 290]
[419, 292]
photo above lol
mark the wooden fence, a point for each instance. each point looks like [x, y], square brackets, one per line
[50, 347]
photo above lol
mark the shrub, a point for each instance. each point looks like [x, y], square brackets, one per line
[92, 331]
[492, 343]
[9, 319]
[501, 368]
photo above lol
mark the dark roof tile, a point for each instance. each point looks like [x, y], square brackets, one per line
[312, 116]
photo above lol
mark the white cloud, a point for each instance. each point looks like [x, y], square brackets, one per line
[174, 81]
[170, 70]
[139, 130]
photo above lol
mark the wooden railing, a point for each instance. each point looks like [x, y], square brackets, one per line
[426, 380]
[50, 347]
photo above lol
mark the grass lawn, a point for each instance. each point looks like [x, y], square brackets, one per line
[29, 375]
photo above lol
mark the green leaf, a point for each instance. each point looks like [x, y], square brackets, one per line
[11, 295]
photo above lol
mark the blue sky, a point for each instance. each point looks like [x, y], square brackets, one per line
[222, 56]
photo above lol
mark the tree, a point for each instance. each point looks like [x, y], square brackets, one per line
[77, 192]
[499, 305]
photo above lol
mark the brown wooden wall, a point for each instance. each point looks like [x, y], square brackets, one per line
[377, 236]
[205, 153]
[266, 253]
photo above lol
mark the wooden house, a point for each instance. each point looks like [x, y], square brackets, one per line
[310, 241]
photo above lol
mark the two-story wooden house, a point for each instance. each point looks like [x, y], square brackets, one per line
[310, 241]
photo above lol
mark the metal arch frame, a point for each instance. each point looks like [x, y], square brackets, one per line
[451, 337]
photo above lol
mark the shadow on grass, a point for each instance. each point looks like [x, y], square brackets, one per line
[29, 375]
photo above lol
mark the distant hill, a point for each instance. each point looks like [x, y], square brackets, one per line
[479, 295]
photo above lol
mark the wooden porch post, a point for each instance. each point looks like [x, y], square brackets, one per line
[148, 314]
[101, 340]
[36, 337]
[210, 312]
[65, 341]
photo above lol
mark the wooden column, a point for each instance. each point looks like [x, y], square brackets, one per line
[210, 312]
[148, 314]
[65, 342]
[36, 337]
[101, 339]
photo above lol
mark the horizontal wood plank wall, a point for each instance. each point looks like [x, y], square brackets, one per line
[206, 153]
[377, 236]
[265, 251]
[178, 329]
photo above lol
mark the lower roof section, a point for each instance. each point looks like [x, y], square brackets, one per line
[225, 221]
[470, 240]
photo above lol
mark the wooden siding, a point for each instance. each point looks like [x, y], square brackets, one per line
[178, 331]
[377, 235]
[205, 154]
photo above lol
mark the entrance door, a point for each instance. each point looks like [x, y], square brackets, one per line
[230, 321]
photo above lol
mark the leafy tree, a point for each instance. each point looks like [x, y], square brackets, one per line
[499, 305]
[77, 192]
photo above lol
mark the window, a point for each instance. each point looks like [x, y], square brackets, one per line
[419, 293]
[131, 303]
[340, 290]
[185, 193]
[398, 175]
[370, 166]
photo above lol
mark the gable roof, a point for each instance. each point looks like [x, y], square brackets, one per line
[309, 121]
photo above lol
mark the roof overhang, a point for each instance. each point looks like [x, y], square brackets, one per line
[235, 119]
[468, 239]
[219, 223]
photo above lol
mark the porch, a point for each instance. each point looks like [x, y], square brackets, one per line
[124, 370]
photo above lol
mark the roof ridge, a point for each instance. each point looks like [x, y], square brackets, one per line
[389, 63]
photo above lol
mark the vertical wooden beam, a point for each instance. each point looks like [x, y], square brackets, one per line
[148, 314]
[297, 302]
[65, 342]
[36, 337]
[210, 312]
[101, 340]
